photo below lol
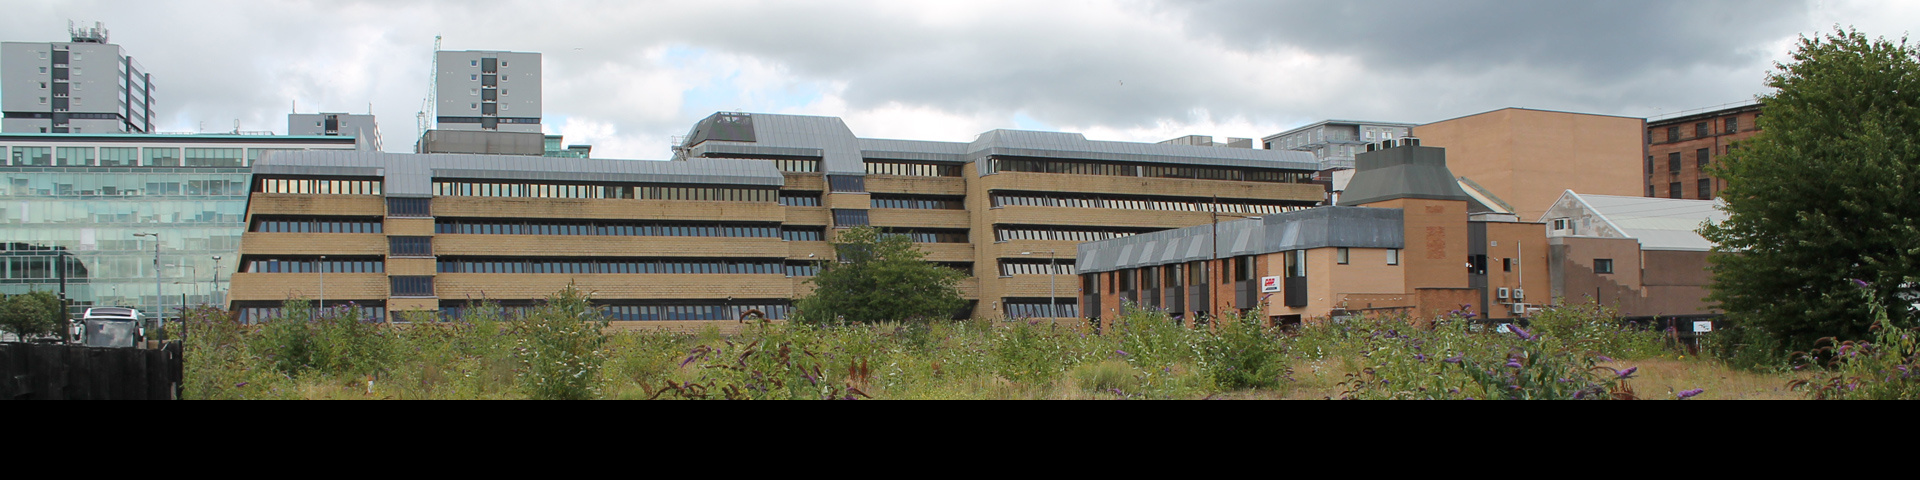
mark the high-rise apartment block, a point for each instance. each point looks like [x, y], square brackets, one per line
[488, 91]
[1335, 142]
[361, 127]
[1681, 146]
[82, 86]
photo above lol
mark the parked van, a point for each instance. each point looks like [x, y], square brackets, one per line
[112, 327]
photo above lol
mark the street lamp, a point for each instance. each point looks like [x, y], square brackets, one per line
[214, 287]
[317, 306]
[1051, 275]
[191, 280]
[159, 299]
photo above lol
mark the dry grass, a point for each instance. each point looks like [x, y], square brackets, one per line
[1661, 378]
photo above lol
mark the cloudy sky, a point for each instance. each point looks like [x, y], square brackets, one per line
[625, 75]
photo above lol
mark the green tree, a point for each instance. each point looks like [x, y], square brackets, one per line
[880, 277]
[562, 347]
[1825, 194]
[32, 314]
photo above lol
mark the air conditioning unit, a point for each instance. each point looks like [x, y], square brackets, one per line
[1519, 294]
[1519, 309]
[1503, 293]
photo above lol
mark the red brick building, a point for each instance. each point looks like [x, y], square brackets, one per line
[1679, 148]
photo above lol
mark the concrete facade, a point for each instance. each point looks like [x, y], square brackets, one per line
[1528, 157]
[361, 127]
[1679, 149]
[82, 86]
[488, 90]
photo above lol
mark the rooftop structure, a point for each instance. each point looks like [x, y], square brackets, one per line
[84, 85]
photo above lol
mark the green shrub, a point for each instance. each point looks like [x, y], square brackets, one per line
[1243, 352]
[1113, 376]
[560, 348]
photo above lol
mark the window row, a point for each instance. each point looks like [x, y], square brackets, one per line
[799, 199]
[1081, 167]
[137, 156]
[927, 235]
[259, 313]
[1144, 203]
[912, 169]
[602, 228]
[314, 186]
[313, 265]
[1010, 268]
[631, 192]
[1004, 234]
[610, 265]
[918, 202]
[802, 234]
[1060, 307]
[316, 225]
[93, 185]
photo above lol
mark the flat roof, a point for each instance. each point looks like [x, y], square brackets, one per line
[1336, 121]
[411, 174]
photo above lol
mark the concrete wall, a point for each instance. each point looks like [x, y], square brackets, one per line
[1528, 157]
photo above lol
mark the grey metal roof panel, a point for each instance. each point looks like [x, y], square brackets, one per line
[839, 149]
[1353, 227]
[1074, 145]
[411, 175]
[723, 148]
[1404, 172]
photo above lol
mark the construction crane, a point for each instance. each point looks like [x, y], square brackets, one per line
[426, 115]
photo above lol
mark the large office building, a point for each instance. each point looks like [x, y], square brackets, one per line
[75, 211]
[1681, 146]
[1335, 142]
[85, 85]
[487, 90]
[362, 127]
[737, 220]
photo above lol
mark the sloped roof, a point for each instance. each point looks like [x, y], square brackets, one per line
[1659, 223]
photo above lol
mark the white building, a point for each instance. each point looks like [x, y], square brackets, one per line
[488, 90]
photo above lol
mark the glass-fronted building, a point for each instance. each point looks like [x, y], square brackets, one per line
[74, 208]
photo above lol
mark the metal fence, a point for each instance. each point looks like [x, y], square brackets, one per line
[71, 372]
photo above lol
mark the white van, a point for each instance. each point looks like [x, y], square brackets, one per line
[112, 327]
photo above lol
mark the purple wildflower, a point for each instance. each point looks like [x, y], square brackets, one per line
[1690, 393]
[1122, 353]
[1603, 358]
[1513, 363]
[241, 384]
[1420, 357]
[1628, 373]
[1861, 283]
[1454, 359]
[1453, 390]
[1116, 391]
[1522, 333]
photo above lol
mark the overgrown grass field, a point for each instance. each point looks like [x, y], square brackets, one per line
[562, 351]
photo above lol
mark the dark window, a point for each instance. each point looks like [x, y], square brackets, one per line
[849, 218]
[800, 234]
[1649, 165]
[1603, 265]
[60, 57]
[1673, 162]
[1706, 189]
[1673, 190]
[410, 246]
[409, 207]
[490, 123]
[1477, 264]
[412, 286]
[489, 95]
[1506, 265]
[918, 202]
[489, 80]
[1700, 129]
[489, 65]
[1702, 155]
[847, 183]
[1649, 191]
[1342, 255]
[1673, 134]
[1733, 124]
[489, 109]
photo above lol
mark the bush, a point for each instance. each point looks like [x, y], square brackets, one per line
[560, 348]
[1244, 352]
[32, 314]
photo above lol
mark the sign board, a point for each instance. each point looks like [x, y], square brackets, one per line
[1702, 327]
[1269, 284]
[1503, 328]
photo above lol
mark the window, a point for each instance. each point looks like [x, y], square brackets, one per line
[1603, 265]
[917, 202]
[1702, 155]
[43, 85]
[912, 169]
[1560, 224]
[474, 76]
[1393, 257]
[800, 234]
[1506, 265]
[1706, 189]
[412, 286]
[1649, 165]
[1649, 191]
[849, 218]
[1700, 130]
[847, 184]
[1341, 255]
[1673, 190]
[1673, 162]
[410, 246]
[1673, 134]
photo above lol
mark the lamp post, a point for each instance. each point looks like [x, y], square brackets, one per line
[322, 267]
[214, 287]
[192, 280]
[159, 299]
[1051, 276]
